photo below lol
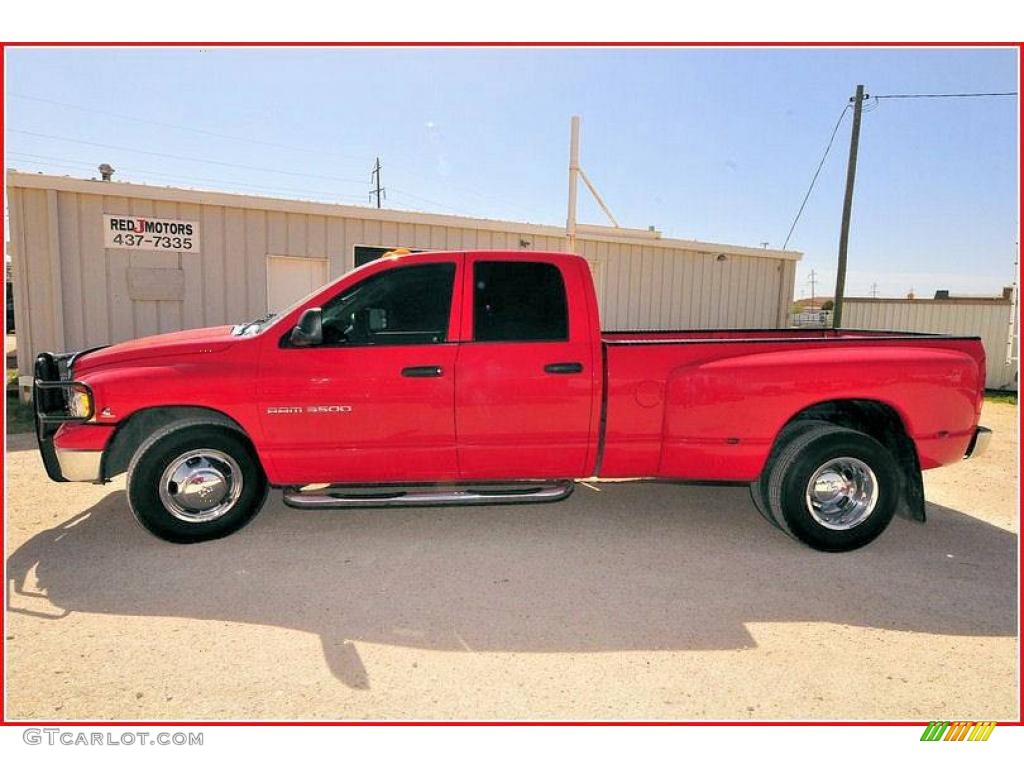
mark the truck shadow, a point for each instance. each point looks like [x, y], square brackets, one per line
[629, 567]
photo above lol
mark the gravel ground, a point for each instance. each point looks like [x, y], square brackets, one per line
[629, 601]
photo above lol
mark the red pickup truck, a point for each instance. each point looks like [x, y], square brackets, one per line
[484, 377]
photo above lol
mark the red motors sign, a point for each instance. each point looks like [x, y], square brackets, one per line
[143, 233]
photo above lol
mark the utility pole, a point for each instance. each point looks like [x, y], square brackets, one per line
[844, 232]
[375, 180]
[874, 290]
[574, 171]
[813, 279]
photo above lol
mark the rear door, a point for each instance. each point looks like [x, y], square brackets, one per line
[525, 375]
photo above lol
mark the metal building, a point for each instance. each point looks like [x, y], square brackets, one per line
[82, 279]
[991, 318]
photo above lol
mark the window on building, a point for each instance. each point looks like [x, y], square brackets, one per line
[519, 301]
[405, 305]
[364, 254]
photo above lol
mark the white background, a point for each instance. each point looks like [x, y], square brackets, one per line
[519, 20]
[565, 747]
[638, 20]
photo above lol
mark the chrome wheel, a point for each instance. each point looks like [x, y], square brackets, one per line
[842, 493]
[201, 485]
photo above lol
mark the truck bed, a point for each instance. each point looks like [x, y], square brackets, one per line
[707, 404]
[761, 335]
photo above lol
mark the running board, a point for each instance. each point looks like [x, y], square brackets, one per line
[341, 497]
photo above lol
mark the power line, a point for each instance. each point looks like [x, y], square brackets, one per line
[814, 179]
[446, 186]
[268, 170]
[64, 162]
[193, 129]
[876, 98]
[943, 95]
[187, 158]
[427, 200]
[61, 162]
[145, 121]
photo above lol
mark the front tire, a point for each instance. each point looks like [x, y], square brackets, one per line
[834, 489]
[195, 483]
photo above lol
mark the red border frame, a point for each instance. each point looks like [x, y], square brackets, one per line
[4, 45]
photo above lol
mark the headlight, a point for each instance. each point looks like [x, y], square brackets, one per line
[80, 405]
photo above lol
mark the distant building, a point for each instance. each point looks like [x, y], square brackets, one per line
[993, 318]
[99, 262]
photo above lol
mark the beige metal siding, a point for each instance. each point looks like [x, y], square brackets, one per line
[987, 319]
[39, 300]
[666, 288]
[74, 293]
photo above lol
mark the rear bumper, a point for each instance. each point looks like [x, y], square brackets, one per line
[979, 443]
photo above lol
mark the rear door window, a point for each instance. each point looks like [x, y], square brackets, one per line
[519, 301]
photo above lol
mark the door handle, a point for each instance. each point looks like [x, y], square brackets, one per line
[563, 368]
[423, 371]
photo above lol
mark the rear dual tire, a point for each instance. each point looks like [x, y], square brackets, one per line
[832, 488]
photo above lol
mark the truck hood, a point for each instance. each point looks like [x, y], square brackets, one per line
[195, 341]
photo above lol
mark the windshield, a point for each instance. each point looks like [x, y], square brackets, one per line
[254, 327]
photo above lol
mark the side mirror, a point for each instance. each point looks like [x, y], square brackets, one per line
[310, 330]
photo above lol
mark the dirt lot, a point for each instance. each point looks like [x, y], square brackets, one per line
[629, 601]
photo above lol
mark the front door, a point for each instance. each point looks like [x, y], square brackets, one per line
[525, 384]
[375, 401]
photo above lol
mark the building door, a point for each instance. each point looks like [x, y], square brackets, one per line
[289, 278]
